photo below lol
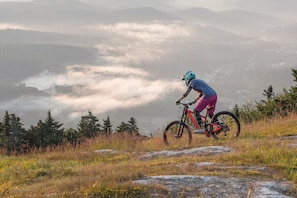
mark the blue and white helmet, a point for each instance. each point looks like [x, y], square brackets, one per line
[188, 76]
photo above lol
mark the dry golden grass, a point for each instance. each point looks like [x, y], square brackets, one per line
[82, 172]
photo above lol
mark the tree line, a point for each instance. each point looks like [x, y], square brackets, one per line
[281, 104]
[15, 138]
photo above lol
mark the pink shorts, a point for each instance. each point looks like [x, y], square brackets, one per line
[209, 102]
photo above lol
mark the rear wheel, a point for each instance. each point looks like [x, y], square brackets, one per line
[225, 125]
[177, 134]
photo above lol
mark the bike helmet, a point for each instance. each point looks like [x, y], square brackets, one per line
[188, 76]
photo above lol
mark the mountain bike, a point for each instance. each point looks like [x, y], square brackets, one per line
[223, 125]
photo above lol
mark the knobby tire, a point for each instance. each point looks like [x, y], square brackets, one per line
[171, 137]
[230, 125]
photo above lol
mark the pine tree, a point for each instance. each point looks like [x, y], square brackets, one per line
[34, 137]
[2, 136]
[17, 132]
[269, 94]
[6, 132]
[132, 125]
[47, 133]
[7, 126]
[107, 127]
[294, 73]
[294, 88]
[89, 126]
[71, 135]
[12, 133]
[123, 127]
[53, 133]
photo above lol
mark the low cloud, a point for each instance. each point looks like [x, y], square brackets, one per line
[213, 5]
[135, 43]
[96, 88]
[5, 26]
[130, 53]
[151, 32]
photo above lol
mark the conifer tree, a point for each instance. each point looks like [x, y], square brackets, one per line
[72, 136]
[294, 88]
[12, 133]
[17, 132]
[89, 126]
[2, 137]
[5, 131]
[107, 127]
[132, 125]
[123, 127]
[53, 133]
[269, 94]
[34, 137]
[294, 73]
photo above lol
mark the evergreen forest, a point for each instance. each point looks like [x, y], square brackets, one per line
[49, 133]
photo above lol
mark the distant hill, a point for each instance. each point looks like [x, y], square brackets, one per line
[56, 12]
[142, 14]
[164, 5]
[44, 12]
[18, 61]
[233, 20]
[41, 37]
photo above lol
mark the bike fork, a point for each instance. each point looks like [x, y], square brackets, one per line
[179, 131]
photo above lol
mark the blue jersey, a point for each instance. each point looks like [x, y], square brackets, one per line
[201, 86]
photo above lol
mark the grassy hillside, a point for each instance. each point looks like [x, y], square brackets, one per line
[89, 171]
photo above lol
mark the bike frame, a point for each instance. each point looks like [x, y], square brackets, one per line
[189, 113]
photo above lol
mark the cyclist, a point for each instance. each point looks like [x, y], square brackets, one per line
[206, 95]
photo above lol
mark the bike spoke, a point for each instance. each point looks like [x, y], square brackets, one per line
[226, 125]
[177, 135]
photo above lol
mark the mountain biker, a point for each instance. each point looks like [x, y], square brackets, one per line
[207, 97]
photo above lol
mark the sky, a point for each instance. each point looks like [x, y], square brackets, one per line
[214, 4]
[15, 0]
[287, 7]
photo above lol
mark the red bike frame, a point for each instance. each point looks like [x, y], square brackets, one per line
[215, 127]
[191, 116]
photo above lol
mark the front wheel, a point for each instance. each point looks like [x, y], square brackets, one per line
[177, 134]
[225, 125]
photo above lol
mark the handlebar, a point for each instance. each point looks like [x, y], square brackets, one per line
[186, 104]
